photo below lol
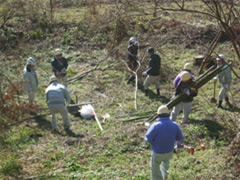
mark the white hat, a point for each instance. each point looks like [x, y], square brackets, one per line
[220, 57]
[163, 109]
[185, 76]
[132, 39]
[58, 51]
[188, 66]
[31, 61]
[52, 79]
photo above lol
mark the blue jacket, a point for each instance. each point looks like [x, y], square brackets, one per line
[154, 65]
[163, 135]
[57, 94]
[58, 65]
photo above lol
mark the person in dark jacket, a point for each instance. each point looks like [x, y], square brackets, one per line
[152, 72]
[163, 135]
[59, 67]
[184, 87]
[132, 56]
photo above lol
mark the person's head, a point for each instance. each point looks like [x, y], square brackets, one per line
[132, 40]
[31, 63]
[185, 76]
[220, 59]
[163, 111]
[187, 66]
[150, 51]
[58, 53]
[52, 79]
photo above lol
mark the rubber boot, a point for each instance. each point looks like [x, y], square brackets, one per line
[131, 78]
[219, 104]
[146, 92]
[158, 92]
[227, 101]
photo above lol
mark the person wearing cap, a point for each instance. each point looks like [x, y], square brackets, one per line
[30, 80]
[163, 135]
[59, 67]
[132, 56]
[57, 96]
[184, 86]
[225, 79]
[152, 72]
[187, 67]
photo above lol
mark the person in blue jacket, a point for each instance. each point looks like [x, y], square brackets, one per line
[59, 67]
[163, 135]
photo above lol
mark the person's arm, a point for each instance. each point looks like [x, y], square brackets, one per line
[67, 96]
[149, 137]
[150, 67]
[179, 138]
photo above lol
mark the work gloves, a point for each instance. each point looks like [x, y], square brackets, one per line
[144, 73]
[186, 91]
[215, 78]
[63, 70]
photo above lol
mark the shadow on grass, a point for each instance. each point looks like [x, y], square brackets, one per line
[232, 109]
[213, 127]
[74, 110]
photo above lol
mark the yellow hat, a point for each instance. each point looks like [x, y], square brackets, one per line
[52, 78]
[188, 66]
[163, 109]
[185, 76]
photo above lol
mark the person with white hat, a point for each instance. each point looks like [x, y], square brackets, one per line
[132, 56]
[30, 80]
[163, 135]
[184, 86]
[187, 67]
[225, 79]
[57, 96]
[153, 71]
[59, 67]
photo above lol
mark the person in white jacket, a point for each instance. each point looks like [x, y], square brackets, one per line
[225, 79]
[57, 95]
[30, 80]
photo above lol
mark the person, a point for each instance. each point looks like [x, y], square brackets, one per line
[184, 86]
[152, 72]
[132, 56]
[59, 67]
[187, 67]
[57, 96]
[225, 79]
[30, 80]
[163, 135]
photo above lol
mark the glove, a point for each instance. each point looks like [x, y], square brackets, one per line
[63, 70]
[215, 78]
[186, 91]
[144, 73]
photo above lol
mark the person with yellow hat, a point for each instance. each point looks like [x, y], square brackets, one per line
[187, 67]
[57, 96]
[163, 135]
[184, 86]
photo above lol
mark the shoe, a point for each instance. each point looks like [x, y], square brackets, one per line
[219, 104]
[158, 92]
[146, 92]
[131, 79]
[227, 101]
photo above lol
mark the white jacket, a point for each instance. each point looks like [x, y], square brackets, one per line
[30, 79]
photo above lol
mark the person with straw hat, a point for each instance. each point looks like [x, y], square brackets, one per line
[163, 135]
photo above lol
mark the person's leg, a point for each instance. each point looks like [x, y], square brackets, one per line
[30, 96]
[52, 109]
[146, 84]
[175, 111]
[186, 111]
[155, 167]
[64, 113]
[221, 96]
[64, 81]
[157, 84]
[164, 167]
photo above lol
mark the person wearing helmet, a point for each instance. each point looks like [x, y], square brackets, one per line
[59, 67]
[30, 80]
[57, 96]
[187, 67]
[132, 56]
[152, 72]
[163, 135]
[184, 86]
[225, 79]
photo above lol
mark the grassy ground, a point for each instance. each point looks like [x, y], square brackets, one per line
[30, 150]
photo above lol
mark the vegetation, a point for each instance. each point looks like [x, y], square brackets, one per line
[94, 36]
